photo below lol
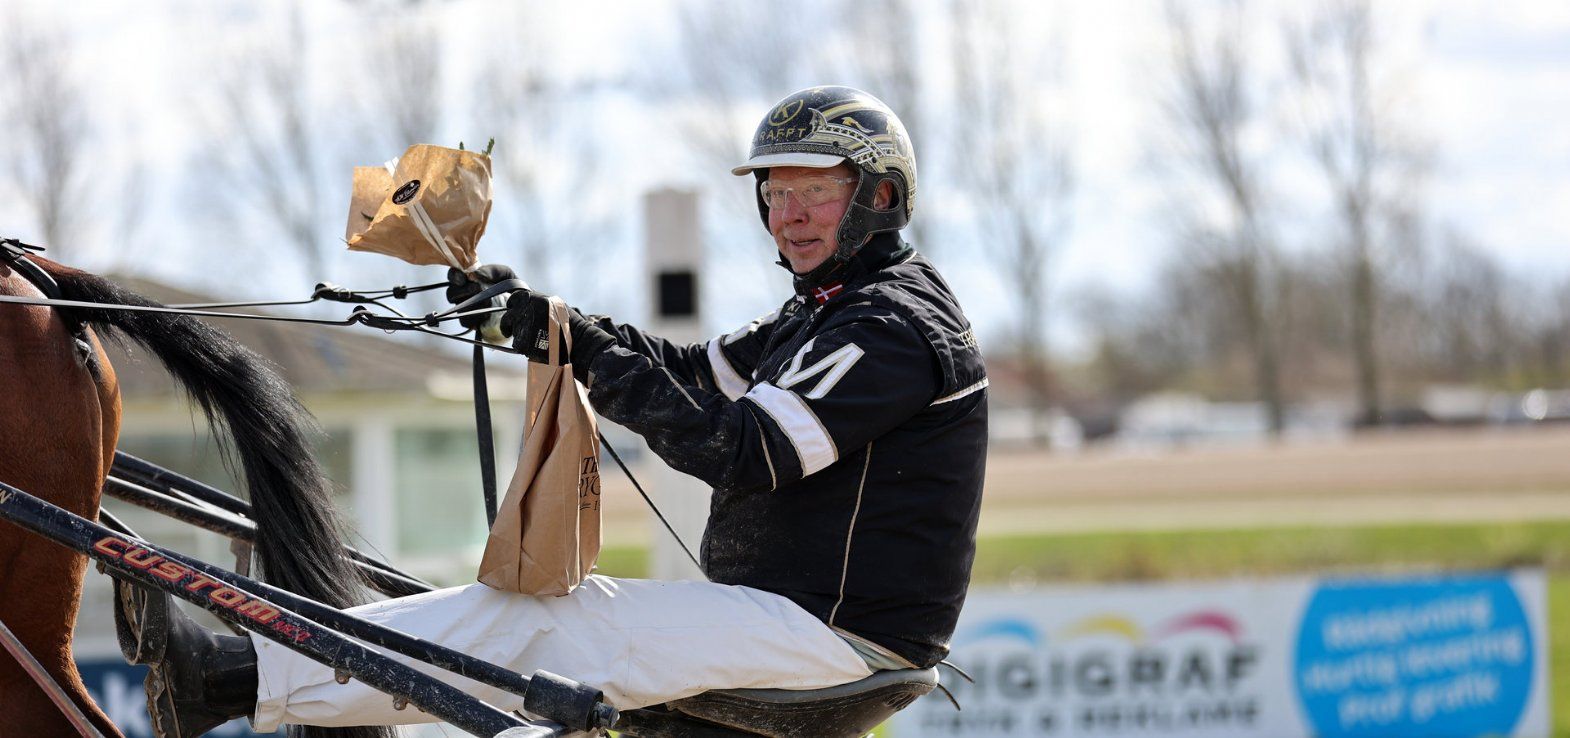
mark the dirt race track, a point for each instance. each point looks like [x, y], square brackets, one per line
[1452, 476]
[1485, 474]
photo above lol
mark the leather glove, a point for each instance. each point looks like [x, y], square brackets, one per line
[461, 286]
[528, 318]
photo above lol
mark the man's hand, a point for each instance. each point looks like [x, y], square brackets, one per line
[527, 321]
[461, 287]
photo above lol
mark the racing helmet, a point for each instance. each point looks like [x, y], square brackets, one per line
[820, 127]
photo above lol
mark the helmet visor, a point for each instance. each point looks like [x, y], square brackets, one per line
[789, 159]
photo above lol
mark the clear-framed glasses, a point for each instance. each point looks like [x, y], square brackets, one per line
[810, 191]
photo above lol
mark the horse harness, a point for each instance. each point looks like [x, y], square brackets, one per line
[13, 253]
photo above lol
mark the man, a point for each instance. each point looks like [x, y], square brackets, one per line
[844, 435]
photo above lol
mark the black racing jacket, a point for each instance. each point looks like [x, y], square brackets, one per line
[845, 441]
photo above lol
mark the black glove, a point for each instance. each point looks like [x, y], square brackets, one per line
[528, 318]
[462, 286]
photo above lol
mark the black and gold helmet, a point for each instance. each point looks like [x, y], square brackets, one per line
[823, 126]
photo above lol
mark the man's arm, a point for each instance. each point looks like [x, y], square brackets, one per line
[722, 364]
[861, 377]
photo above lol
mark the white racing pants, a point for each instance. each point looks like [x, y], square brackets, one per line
[643, 642]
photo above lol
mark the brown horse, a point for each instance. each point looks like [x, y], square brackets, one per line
[59, 421]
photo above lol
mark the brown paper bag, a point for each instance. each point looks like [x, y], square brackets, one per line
[547, 531]
[431, 209]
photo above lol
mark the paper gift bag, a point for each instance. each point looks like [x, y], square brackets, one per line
[547, 531]
[430, 207]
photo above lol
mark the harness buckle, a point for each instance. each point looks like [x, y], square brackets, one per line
[14, 252]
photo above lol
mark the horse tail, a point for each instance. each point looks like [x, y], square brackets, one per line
[298, 531]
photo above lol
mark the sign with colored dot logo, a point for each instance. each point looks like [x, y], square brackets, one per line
[1457, 655]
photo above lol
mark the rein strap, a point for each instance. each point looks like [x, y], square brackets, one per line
[73, 714]
[14, 253]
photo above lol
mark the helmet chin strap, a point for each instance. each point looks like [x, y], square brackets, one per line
[821, 273]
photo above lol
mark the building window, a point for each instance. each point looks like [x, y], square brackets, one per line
[439, 503]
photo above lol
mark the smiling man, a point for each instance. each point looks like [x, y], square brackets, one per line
[844, 435]
[804, 226]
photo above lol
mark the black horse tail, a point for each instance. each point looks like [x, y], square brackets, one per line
[298, 532]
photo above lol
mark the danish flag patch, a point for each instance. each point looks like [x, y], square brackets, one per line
[827, 292]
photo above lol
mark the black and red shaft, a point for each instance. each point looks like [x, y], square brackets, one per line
[271, 613]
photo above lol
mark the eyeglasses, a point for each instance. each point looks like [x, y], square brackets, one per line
[810, 191]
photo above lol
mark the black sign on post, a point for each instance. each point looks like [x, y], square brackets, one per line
[673, 252]
[677, 293]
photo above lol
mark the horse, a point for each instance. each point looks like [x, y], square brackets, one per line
[59, 422]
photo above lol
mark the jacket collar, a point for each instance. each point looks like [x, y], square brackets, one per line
[882, 250]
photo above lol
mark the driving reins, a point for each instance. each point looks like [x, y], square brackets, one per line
[14, 253]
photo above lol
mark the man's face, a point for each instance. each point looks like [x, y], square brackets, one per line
[805, 235]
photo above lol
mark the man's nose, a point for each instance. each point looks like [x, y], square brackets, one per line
[793, 210]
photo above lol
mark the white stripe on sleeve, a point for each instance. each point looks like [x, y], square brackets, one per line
[977, 387]
[725, 376]
[813, 446]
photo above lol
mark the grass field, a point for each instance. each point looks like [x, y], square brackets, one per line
[1201, 554]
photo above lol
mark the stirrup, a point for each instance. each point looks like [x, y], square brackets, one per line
[142, 630]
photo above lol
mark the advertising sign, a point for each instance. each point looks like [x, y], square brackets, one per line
[1460, 655]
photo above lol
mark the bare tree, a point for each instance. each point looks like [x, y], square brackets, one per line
[1141, 343]
[733, 60]
[1553, 335]
[1367, 165]
[549, 162]
[1468, 305]
[1209, 108]
[398, 101]
[882, 52]
[48, 130]
[406, 82]
[1011, 151]
[130, 216]
[1481, 323]
[266, 156]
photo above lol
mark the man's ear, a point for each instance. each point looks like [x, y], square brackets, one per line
[883, 197]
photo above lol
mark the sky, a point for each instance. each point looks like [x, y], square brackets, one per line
[1484, 83]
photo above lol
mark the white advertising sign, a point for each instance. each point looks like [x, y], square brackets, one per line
[1444, 655]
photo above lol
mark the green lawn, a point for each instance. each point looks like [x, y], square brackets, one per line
[1106, 557]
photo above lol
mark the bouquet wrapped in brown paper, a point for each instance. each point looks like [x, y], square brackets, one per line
[547, 531]
[429, 208]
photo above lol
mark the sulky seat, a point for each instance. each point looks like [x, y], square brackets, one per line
[846, 710]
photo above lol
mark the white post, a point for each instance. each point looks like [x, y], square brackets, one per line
[375, 510]
[674, 251]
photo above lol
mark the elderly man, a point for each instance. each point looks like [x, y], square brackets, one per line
[844, 435]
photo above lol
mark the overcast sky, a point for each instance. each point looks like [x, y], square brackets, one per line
[1485, 82]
